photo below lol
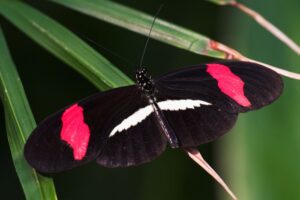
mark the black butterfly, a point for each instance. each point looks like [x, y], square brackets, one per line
[132, 125]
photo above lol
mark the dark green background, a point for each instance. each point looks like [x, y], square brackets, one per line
[249, 157]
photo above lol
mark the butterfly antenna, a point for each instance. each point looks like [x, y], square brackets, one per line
[109, 51]
[148, 38]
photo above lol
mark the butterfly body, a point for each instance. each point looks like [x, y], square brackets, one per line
[132, 125]
[147, 87]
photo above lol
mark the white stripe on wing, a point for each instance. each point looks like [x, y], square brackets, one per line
[143, 113]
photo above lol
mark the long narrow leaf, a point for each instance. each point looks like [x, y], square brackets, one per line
[19, 124]
[63, 44]
[222, 2]
[139, 22]
[163, 31]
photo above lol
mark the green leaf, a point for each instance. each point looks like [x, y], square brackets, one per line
[222, 2]
[139, 22]
[63, 44]
[19, 124]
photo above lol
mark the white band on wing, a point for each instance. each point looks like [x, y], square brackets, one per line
[143, 113]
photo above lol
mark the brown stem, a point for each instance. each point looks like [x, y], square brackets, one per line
[268, 26]
[197, 157]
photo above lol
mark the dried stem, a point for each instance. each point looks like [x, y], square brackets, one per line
[233, 54]
[268, 26]
[197, 157]
[276, 69]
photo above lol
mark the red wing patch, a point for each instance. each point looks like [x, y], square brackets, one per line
[229, 83]
[75, 131]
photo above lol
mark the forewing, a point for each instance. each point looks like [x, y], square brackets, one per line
[229, 88]
[233, 86]
[77, 134]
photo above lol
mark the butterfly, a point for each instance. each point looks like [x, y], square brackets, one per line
[132, 125]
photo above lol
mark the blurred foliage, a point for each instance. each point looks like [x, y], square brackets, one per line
[261, 158]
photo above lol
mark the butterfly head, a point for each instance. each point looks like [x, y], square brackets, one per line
[144, 81]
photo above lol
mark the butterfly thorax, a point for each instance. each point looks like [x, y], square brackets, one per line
[144, 81]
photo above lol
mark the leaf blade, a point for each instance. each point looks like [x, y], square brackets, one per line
[140, 22]
[222, 2]
[163, 31]
[19, 124]
[64, 44]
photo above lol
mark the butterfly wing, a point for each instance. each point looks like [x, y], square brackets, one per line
[138, 144]
[234, 85]
[200, 124]
[229, 88]
[77, 134]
